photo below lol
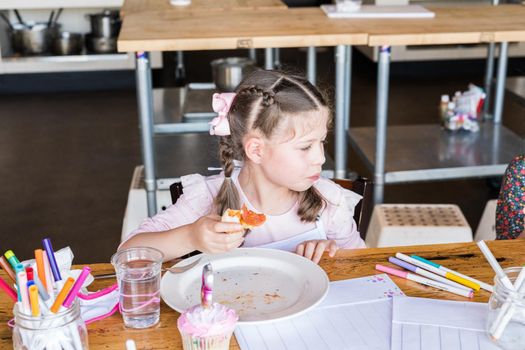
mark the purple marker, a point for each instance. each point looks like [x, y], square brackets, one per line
[51, 257]
[426, 273]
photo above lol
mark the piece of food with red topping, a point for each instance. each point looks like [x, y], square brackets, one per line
[246, 217]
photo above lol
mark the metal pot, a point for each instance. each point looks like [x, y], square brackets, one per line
[229, 72]
[67, 43]
[105, 24]
[33, 38]
[101, 45]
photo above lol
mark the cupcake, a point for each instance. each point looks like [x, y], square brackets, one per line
[207, 328]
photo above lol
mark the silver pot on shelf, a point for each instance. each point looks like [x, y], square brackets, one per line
[229, 72]
[33, 38]
[105, 24]
[67, 43]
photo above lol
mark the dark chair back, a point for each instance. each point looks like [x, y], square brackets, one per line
[362, 212]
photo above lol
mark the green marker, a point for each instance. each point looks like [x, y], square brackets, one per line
[11, 257]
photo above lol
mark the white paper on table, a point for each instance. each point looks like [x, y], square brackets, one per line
[431, 324]
[356, 314]
[377, 11]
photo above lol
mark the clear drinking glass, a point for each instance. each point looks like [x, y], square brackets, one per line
[138, 276]
[64, 330]
[506, 318]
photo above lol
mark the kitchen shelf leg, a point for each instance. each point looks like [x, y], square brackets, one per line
[500, 82]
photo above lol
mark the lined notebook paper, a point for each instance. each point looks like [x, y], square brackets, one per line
[431, 324]
[356, 314]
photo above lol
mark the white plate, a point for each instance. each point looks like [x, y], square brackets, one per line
[260, 284]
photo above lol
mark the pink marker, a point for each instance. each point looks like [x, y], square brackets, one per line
[76, 287]
[425, 281]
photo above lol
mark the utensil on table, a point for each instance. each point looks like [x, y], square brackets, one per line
[173, 269]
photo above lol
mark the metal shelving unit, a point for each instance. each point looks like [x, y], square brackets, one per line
[427, 152]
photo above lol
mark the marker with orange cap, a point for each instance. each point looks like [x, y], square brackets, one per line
[39, 259]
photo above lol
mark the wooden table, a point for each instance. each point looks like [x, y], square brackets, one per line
[464, 257]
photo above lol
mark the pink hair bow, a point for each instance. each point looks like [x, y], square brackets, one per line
[221, 104]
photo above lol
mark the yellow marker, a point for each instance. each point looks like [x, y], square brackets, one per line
[33, 300]
[62, 295]
[462, 281]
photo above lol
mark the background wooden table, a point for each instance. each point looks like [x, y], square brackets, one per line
[464, 257]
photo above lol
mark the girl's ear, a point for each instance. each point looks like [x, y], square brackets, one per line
[254, 148]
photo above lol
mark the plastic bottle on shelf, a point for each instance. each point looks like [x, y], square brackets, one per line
[443, 107]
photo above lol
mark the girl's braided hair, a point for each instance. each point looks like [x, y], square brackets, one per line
[263, 100]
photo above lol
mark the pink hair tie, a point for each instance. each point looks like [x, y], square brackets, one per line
[221, 104]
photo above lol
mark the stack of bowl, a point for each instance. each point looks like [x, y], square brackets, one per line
[105, 27]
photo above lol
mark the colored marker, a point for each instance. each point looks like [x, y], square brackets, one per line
[483, 285]
[130, 345]
[76, 287]
[22, 290]
[426, 273]
[48, 275]
[39, 259]
[33, 300]
[425, 281]
[11, 257]
[29, 272]
[48, 247]
[8, 290]
[41, 290]
[437, 271]
[19, 268]
[7, 268]
[62, 295]
[494, 264]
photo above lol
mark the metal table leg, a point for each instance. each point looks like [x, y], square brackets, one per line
[383, 71]
[145, 106]
[252, 53]
[311, 69]
[277, 58]
[268, 58]
[348, 88]
[500, 82]
[489, 74]
[340, 95]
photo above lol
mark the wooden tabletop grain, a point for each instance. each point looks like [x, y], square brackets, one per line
[148, 28]
[462, 257]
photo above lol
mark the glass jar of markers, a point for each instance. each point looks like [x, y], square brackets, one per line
[506, 317]
[64, 330]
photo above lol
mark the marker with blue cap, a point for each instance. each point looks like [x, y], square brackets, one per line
[483, 285]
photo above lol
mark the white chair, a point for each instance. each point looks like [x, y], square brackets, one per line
[415, 224]
[137, 207]
[487, 224]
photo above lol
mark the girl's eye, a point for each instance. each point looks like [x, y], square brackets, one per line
[306, 148]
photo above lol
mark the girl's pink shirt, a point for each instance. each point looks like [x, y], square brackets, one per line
[197, 200]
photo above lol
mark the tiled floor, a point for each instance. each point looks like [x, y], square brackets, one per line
[66, 159]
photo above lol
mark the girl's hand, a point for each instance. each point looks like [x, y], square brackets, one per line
[314, 249]
[211, 235]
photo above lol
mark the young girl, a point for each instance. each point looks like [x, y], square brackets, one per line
[275, 125]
